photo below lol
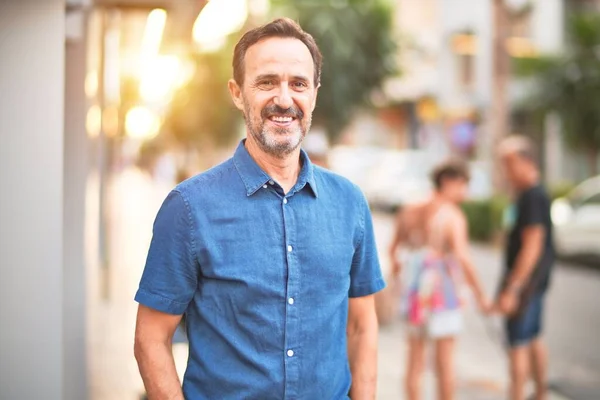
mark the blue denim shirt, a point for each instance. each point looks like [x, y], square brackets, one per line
[264, 279]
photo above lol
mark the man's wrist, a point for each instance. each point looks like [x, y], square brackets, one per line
[514, 287]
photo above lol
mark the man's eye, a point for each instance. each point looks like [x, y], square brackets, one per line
[299, 85]
[267, 83]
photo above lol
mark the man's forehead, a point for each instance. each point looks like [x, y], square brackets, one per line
[279, 56]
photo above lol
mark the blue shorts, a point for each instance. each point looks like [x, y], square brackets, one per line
[523, 329]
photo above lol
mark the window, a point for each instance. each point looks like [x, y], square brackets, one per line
[464, 46]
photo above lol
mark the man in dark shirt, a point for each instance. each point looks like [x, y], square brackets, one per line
[529, 259]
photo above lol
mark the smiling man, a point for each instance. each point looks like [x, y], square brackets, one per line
[271, 258]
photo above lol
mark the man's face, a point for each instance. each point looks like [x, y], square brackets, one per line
[278, 94]
[515, 167]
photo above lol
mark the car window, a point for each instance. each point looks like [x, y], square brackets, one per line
[593, 200]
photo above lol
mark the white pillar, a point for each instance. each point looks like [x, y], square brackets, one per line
[76, 168]
[32, 54]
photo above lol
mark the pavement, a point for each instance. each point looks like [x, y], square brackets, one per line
[572, 318]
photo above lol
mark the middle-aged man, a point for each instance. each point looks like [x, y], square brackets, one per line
[529, 260]
[271, 258]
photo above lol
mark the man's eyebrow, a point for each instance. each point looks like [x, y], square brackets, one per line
[300, 78]
[266, 76]
[275, 76]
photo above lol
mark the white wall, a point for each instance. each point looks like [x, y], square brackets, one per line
[76, 169]
[32, 55]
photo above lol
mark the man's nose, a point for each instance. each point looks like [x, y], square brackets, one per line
[283, 98]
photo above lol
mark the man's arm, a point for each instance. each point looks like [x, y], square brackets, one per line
[533, 243]
[362, 333]
[153, 352]
[532, 239]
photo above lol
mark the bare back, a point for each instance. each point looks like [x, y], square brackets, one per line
[429, 225]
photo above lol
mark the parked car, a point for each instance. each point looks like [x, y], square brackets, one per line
[576, 219]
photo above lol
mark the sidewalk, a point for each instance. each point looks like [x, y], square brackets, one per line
[134, 201]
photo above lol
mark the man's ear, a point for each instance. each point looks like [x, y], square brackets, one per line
[314, 100]
[236, 94]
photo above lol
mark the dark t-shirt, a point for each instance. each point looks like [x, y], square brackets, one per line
[532, 208]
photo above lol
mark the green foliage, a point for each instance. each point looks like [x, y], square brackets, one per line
[359, 52]
[484, 217]
[570, 84]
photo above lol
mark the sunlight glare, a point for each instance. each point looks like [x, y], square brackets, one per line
[217, 20]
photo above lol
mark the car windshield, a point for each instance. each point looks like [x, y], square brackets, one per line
[584, 191]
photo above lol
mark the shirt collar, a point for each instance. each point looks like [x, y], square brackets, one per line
[254, 177]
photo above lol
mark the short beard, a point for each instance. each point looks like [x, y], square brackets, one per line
[267, 141]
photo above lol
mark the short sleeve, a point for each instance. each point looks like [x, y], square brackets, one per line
[365, 273]
[171, 273]
[533, 209]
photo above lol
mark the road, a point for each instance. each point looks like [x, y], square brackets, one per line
[572, 326]
[573, 318]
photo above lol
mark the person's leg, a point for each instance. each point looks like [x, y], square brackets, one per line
[539, 354]
[522, 332]
[519, 370]
[539, 364]
[415, 366]
[444, 365]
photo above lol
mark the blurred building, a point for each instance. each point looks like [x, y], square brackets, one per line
[442, 101]
[447, 61]
[65, 123]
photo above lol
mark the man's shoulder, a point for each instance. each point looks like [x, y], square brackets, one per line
[337, 183]
[536, 193]
[219, 175]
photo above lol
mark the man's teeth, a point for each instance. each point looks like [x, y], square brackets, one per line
[282, 119]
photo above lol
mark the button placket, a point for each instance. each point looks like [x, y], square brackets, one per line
[292, 341]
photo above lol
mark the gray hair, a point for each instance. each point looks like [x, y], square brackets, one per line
[520, 145]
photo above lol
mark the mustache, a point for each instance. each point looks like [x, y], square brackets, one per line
[275, 110]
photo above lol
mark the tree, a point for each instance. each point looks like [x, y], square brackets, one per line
[359, 52]
[569, 85]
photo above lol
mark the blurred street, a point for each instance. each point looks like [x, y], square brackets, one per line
[481, 366]
[134, 198]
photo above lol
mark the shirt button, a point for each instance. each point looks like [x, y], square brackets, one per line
[290, 353]
[264, 186]
[291, 300]
[271, 182]
[289, 249]
[284, 201]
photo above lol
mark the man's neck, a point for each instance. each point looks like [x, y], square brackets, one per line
[284, 170]
[533, 179]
